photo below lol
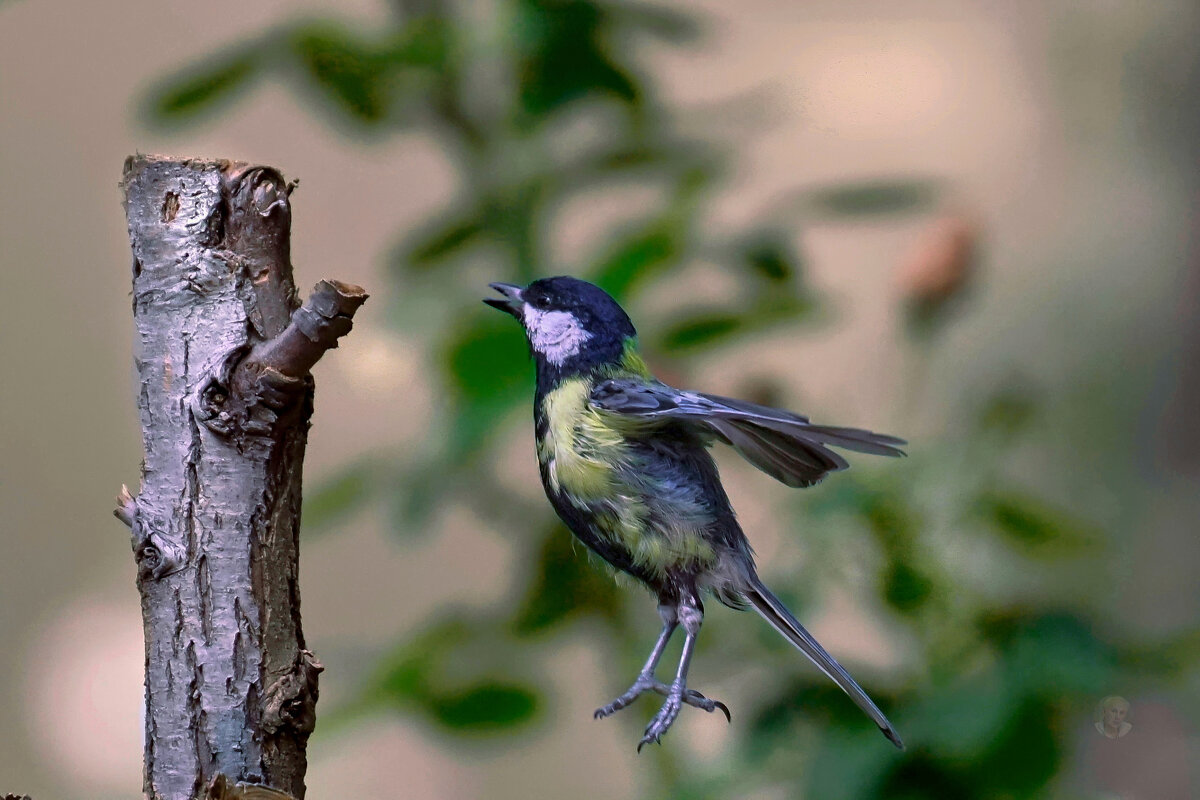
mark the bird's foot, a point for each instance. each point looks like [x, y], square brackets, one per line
[644, 683]
[677, 694]
[665, 717]
[647, 683]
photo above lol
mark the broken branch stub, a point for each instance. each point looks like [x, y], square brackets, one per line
[223, 353]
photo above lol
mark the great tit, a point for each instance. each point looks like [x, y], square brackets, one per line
[624, 461]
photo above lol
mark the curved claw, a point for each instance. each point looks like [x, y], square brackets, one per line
[666, 716]
[606, 711]
[647, 739]
[697, 700]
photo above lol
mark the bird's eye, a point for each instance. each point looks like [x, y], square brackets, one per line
[540, 302]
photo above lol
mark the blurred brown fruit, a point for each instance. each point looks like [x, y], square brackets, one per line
[938, 267]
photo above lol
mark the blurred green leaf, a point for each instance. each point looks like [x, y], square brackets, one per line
[1023, 758]
[407, 672]
[1057, 655]
[364, 75]
[202, 88]
[417, 676]
[850, 764]
[1174, 655]
[961, 721]
[433, 247]
[1008, 412]
[343, 494]
[488, 356]
[637, 256]
[668, 157]
[772, 265]
[807, 701]
[924, 777]
[701, 330]
[475, 422]
[423, 41]
[645, 251]
[843, 497]
[769, 257]
[565, 585]
[348, 69]
[1019, 752]
[487, 364]
[905, 587]
[1033, 524]
[910, 577]
[564, 55]
[485, 707]
[886, 512]
[706, 329]
[871, 198]
[418, 493]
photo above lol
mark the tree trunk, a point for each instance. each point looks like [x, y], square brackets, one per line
[223, 356]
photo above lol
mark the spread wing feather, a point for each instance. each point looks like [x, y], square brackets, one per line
[784, 445]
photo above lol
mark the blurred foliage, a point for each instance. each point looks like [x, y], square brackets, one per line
[420, 676]
[875, 197]
[537, 102]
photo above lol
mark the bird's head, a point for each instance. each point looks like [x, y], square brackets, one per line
[570, 324]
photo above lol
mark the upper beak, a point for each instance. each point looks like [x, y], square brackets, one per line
[511, 302]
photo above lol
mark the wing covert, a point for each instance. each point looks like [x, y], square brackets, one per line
[784, 445]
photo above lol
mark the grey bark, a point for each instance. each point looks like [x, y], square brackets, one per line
[223, 355]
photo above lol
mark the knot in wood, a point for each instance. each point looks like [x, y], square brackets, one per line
[291, 702]
[155, 557]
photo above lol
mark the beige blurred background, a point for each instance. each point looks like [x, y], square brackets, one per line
[1037, 115]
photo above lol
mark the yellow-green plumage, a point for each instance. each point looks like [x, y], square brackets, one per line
[595, 464]
[579, 451]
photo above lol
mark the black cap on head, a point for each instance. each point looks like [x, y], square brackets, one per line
[599, 313]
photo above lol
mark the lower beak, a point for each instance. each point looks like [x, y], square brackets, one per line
[511, 302]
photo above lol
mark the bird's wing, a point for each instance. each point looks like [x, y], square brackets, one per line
[784, 445]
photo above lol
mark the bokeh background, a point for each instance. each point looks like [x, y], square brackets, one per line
[972, 224]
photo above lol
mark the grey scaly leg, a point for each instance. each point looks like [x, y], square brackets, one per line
[690, 616]
[646, 682]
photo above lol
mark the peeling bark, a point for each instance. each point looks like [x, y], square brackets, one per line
[223, 356]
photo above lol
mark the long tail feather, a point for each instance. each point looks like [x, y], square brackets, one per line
[774, 612]
[850, 439]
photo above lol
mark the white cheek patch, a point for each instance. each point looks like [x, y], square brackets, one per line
[555, 335]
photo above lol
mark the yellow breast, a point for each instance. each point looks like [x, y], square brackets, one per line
[579, 451]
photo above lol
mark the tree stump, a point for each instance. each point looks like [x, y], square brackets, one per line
[223, 353]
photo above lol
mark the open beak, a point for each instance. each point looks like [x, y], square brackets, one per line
[511, 301]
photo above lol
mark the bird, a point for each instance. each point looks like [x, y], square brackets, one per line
[625, 461]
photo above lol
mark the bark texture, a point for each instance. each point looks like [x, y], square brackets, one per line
[223, 353]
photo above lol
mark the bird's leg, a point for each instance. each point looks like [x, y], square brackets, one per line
[690, 616]
[645, 680]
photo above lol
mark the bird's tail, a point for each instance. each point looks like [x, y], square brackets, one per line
[774, 612]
